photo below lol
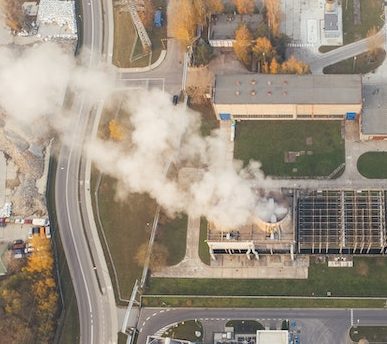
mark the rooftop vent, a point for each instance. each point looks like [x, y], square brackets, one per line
[237, 82]
[269, 82]
[269, 93]
[285, 82]
[237, 92]
[285, 93]
[253, 81]
[253, 93]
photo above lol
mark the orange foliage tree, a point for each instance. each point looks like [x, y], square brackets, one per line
[294, 66]
[275, 67]
[215, 6]
[115, 130]
[245, 6]
[273, 14]
[182, 20]
[146, 14]
[243, 43]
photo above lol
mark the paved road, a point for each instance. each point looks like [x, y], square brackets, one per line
[95, 299]
[316, 325]
[318, 62]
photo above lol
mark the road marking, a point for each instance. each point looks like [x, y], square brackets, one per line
[154, 314]
[148, 318]
[351, 317]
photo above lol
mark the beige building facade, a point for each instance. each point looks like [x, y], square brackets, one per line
[287, 97]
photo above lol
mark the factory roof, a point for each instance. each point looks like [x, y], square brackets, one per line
[223, 26]
[287, 89]
[56, 18]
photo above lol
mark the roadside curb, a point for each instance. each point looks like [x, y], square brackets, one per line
[154, 65]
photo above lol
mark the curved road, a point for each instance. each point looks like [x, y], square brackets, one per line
[334, 323]
[92, 285]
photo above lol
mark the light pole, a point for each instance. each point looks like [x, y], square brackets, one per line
[354, 64]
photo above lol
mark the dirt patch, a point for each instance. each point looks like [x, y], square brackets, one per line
[362, 269]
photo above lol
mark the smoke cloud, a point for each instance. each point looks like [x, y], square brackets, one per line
[203, 181]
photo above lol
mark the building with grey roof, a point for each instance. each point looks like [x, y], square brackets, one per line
[283, 96]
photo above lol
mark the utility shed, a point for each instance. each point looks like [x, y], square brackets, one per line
[284, 96]
[272, 337]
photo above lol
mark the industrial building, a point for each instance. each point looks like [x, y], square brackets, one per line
[287, 97]
[338, 222]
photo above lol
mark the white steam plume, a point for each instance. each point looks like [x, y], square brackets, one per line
[217, 188]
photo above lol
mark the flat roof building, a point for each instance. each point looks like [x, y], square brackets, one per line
[272, 337]
[284, 96]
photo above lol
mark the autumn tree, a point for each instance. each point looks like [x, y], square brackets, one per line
[146, 14]
[245, 6]
[263, 49]
[275, 67]
[182, 20]
[116, 131]
[13, 13]
[215, 6]
[243, 43]
[294, 66]
[373, 43]
[158, 257]
[40, 260]
[273, 15]
[200, 8]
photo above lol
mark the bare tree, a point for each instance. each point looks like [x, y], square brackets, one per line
[199, 84]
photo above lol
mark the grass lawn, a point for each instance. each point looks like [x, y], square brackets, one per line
[371, 12]
[186, 330]
[227, 302]
[368, 278]
[269, 142]
[125, 42]
[364, 63]
[172, 233]
[126, 225]
[204, 254]
[209, 121]
[124, 37]
[373, 165]
[374, 334]
[245, 326]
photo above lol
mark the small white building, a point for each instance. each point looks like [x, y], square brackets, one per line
[272, 337]
[57, 19]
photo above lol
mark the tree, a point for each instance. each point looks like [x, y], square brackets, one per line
[158, 258]
[13, 13]
[146, 14]
[273, 14]
[263, 49]
[294, 66]
[245, 6]
[200, 8]
[373, 43]
[40, 260]
[275, 67]
[215, 6]
[116, 131]
[202, 53]
[182, 20]
[242, 44]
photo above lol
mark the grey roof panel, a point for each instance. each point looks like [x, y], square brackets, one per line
[287, 89]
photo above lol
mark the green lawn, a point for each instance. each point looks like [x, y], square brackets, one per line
[374, 334]
[204, 254]
[186, 330]
[245, 326]
[319, 143]
[172, 233]
[368, 277]
[364, 63]
[373, 165]
[227, 302]
[371, 15]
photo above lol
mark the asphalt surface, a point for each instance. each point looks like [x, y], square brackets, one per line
[92, 285]
[314, 325]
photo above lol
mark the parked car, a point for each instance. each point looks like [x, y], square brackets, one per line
[19, 253]
[175, 99]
